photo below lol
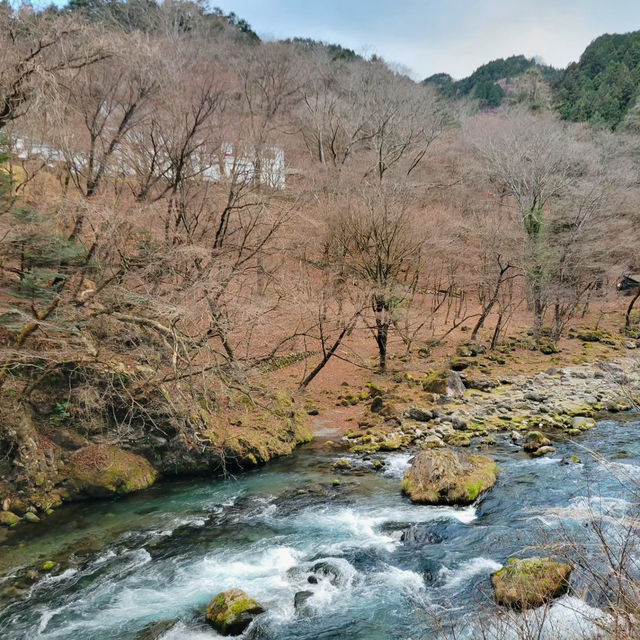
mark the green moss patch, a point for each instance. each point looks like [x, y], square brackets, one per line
[530, 582]
[102, 470]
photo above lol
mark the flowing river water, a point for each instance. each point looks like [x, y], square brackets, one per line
[385, 568]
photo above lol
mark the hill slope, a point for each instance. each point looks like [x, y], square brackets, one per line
[483, 82]
[603, 85]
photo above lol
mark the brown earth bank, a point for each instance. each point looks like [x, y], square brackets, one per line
[52, 452]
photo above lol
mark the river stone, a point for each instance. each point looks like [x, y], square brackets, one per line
[329, 571]
[155, 630]
[583, 423]
[101, 470]
[446, 383]
[418, 414]
[8, 519]
[231, 612]
[444, 476]
[417, 534]
[301, 598]
[542, 451]
[535, 440]
[530, 582]
[31, 517]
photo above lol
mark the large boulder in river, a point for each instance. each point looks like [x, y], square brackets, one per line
[103, 470]
[528, 583]
[231, 612]
[445, 476]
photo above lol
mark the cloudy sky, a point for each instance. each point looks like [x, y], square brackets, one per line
[454, 36]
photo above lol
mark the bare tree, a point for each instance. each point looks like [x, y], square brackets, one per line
[36, 49]
[535, 161]
[377, 241]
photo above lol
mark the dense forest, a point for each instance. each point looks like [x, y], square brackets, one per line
[602, 87]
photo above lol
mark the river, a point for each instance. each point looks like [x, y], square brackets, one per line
[385, 568]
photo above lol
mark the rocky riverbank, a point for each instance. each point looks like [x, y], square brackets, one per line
[456, 409]
[51, 463]
[50, 455]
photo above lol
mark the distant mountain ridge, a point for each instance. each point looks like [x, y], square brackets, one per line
[602, 88]
[490, 72]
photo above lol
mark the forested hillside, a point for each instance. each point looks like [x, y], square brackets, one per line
[602, 87]
[484, 83]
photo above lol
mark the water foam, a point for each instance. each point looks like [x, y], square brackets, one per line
[454, 578]
[568, 618]
[396, 464]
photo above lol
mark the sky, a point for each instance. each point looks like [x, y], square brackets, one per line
[451, 36]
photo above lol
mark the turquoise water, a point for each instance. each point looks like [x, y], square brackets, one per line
[395, 570]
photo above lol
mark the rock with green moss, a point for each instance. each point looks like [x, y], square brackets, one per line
[535, 440]
[8, 519]
[393, 442]
[31, 517]
[531, 582]
[49, 565]
[582, 423]
[457, 363]
[446, 383]
[342, 464]
[102, 470]
[595, 335]
[231, 612]
[445, 476]
[418, 414]
[459, 440]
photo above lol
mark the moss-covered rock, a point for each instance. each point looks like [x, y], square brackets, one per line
[102, 470]
[459, 440]
[447, 383]
[458, 363]
[8, 519]
[535, 440]
[231, 612]
[394, 442]
[31, 517]
[583, 424]
[548, 346]
[444, 476]
[530, 582]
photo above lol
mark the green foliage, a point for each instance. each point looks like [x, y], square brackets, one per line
[60, 413]
[602, 86]
[42, 253]
[489, 94]
[486, 76]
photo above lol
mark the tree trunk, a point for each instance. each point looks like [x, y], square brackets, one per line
[627, 319]
[496, 332]
[329, 354]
